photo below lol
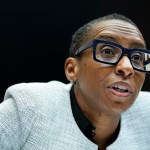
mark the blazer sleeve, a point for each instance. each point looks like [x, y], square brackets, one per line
[16, 122]
[10, 126]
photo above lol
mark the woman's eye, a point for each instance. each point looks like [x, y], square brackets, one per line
[137, 57]
[107, 51]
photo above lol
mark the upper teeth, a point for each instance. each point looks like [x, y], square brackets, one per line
[120, 88]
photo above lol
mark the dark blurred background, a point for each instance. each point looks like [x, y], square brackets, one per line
[35, 35]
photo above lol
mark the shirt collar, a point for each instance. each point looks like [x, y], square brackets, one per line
[81, 120]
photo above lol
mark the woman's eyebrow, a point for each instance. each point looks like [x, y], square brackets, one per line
[137, 44]
[108, 38]
[134, 44]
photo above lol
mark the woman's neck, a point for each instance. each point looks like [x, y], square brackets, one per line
[106, 130]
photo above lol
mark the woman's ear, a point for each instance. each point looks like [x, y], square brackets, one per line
[71, 68]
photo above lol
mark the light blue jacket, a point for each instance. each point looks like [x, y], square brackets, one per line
[38, 116]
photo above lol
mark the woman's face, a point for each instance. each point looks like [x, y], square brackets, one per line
[109, 88]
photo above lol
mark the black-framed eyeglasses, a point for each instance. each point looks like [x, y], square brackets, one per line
[111, 53]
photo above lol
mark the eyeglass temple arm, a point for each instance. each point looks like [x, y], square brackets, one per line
[147, 61]
[84, 47]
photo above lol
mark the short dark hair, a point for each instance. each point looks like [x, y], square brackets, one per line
[81, 34]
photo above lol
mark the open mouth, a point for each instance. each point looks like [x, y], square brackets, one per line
[121, 89]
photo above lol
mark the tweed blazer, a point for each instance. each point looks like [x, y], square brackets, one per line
[38, 116]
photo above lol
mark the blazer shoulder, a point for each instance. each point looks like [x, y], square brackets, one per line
[141, 106]
[37, 93]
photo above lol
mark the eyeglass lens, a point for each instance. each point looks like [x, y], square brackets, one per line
[111, 54]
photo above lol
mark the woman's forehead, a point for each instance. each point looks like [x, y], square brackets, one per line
[115, 28]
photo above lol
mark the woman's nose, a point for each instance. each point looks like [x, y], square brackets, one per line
[124, 67]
